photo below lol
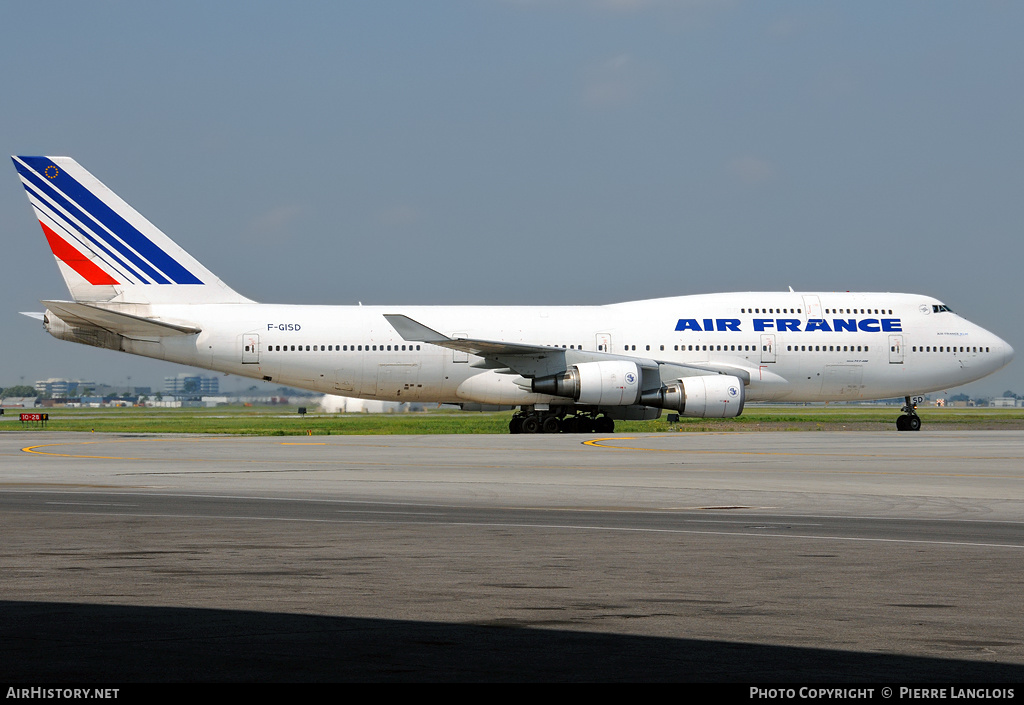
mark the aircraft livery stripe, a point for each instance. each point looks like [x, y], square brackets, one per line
[48, 192]
[114, 222]
[75, 259]
[44, 207]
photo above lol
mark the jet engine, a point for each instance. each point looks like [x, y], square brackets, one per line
[602, 383]
[706, 396]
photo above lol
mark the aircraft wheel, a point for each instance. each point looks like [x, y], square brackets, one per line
[901, 423]
[913, 423]
[604, 424]
[551, 424]
[530, 424]
[571, 424]
[515, 425]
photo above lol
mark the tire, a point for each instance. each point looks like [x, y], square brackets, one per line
[550, 424]
[530, 424]
[913, 423]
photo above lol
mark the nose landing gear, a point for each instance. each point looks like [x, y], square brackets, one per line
[910, 421]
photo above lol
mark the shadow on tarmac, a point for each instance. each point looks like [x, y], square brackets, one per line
[65, 642]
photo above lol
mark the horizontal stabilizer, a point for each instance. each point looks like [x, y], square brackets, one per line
[78, 314]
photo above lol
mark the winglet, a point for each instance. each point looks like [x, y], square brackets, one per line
[411, 330]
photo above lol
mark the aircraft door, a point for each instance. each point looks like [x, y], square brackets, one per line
[896, 349]
[250, 349]
[812, 307]
[768, 348]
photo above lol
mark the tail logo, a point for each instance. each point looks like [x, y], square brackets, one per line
[96, 228]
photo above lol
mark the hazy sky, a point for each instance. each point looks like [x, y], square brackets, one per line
[528, 152]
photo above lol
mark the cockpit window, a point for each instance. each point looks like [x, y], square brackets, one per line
[939, 308]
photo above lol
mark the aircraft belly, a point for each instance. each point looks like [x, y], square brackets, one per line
[843, 382]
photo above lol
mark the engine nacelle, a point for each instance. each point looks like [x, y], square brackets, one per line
[706, 396]
[601, 383]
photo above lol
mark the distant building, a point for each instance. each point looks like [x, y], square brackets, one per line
[190, 385]
[1003, 402]
[56, 387]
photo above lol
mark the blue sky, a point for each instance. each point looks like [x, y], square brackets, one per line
[529, 152]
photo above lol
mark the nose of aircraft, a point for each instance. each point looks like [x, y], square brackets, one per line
[1003, 352]
[1007, 351]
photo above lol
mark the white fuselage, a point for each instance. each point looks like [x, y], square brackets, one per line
[792, 346]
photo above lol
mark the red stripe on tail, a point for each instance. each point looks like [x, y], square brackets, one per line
[75, 259]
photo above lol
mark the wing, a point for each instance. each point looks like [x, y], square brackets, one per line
[533, 361]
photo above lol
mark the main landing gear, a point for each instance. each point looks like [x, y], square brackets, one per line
[910, 421]
[537, 422]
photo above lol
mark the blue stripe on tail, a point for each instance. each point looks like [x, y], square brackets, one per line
[103, 214]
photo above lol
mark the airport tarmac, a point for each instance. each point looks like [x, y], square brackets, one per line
[877, 557]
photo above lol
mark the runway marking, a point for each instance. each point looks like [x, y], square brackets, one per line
[601, 443]
[597, 443]
[91, 504]
[576, 527]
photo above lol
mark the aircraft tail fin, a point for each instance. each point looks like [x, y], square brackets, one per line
[105, 249]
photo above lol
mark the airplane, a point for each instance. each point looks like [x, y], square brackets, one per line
[571, 369]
